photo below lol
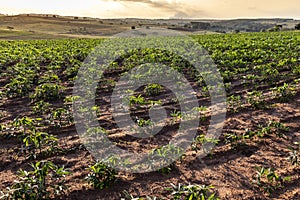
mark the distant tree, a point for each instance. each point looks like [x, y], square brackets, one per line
[220, 31]
[10, 27]
[275, 28]
[297, 27]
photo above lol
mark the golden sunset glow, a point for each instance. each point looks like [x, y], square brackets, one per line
[157, 8]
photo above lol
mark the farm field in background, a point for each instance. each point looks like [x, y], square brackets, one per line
[256, 157]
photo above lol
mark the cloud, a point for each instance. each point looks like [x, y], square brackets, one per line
[175, 9]
[157, 8]
[181, 14]
[252, 8]
[165, 5]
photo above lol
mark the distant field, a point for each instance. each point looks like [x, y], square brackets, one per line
[52, 26]
[27, 35]
[42, 27]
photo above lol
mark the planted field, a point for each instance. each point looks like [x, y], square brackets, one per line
[256, 156]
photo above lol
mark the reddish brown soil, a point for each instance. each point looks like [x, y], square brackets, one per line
[230, 170]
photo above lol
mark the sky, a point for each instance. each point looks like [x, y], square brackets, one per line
[157, 8]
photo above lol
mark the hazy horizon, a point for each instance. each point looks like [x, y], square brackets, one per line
[157, 9]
